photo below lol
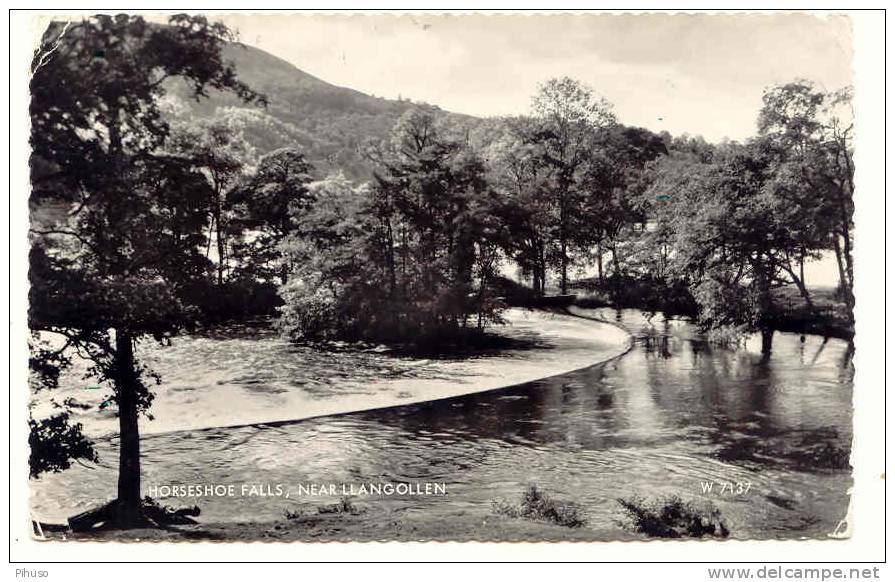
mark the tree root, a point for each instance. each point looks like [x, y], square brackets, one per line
[151, 514]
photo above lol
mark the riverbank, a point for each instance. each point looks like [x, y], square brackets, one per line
[206, 387]
[829, 318]
[447, 525]
[586, 438]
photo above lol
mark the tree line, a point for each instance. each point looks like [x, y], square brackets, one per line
[144, 226]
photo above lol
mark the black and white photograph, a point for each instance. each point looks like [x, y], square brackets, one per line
[366, 277]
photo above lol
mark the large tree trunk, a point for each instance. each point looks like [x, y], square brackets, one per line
[803, 290]
[839, 264]
[845, 195]
[616, 278]
[600, 263]
[126, 381]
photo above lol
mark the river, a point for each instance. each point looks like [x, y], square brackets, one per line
[669, 417]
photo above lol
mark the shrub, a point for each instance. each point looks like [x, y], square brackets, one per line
[672, 517]
[297, 514]
[343, 506]
[538, 506]
[639, 291]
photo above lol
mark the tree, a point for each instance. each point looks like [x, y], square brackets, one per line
[266, 205]
[408, 258]
[428, 183]
[54, 441]
[811, 133]
[525, 203]
[569, 118]
[338, 286]
[614, 181]
[730, 236]
[660, 181]
[222, 153]
[106, 271]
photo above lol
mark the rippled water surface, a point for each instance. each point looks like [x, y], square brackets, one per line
[669, 416]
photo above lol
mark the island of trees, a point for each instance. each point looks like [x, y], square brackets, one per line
[146, 224]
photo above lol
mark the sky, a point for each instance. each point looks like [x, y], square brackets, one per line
[696, 74]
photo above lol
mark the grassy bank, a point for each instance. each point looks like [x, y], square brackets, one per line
[535, 516]
[829, 318]
[445, 526]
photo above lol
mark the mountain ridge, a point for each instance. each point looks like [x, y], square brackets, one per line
[331, 124]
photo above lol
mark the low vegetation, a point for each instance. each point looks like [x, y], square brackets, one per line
[343, 507]
[537, 505]
[672, 517]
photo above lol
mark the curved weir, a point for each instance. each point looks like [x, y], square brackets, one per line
[674, 413]
[229, 380]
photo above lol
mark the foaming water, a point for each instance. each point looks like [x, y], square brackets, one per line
[236, 377]
[667, 417]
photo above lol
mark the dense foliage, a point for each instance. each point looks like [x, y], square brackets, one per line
[148, 220]
[407, 257]
[118, 220]
[737, 221]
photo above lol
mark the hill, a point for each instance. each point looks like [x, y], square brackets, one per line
[330, 123]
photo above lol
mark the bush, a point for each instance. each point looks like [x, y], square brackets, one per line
[344, 506]
[538, 506]
[727, 336]
[309, 312]
[672, 518]
[636, 291]
[513, 293]
[235, 299]
[297, 514]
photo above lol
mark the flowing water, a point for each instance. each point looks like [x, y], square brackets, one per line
[673, 416]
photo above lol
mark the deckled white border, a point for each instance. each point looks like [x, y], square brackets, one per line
[866, 544]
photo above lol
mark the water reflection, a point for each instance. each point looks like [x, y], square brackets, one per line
[673, 413]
